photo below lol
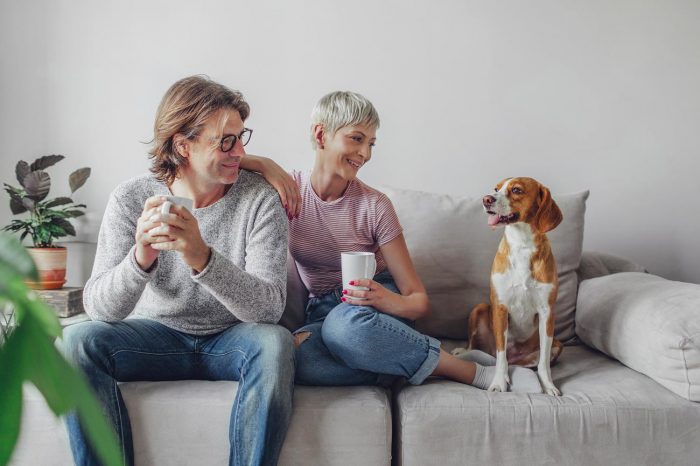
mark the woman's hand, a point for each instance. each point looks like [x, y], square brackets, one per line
[377, 296]
[146, 255]
[179, 231]
[279, 179]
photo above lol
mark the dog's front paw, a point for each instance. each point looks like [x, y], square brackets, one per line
[499, 384]
[548, 385]
[552, 390]
[458, 351]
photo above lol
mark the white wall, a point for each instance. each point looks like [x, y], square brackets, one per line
[599, 95]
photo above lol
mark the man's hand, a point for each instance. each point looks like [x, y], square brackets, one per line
[146, 255]
[180, 232]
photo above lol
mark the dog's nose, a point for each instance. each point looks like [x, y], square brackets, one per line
[488, 200]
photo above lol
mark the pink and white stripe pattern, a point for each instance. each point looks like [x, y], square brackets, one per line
[362, 220]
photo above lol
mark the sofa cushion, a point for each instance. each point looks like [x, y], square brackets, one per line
[607, 414]
[294, 314]
[186, 422]
[453, 249]
[646, 322]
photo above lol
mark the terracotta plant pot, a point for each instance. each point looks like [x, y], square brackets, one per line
[51, 264]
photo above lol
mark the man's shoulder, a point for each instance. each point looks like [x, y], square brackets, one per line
[133, 192]
[254, 184]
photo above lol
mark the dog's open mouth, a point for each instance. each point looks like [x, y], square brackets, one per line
[495, 219]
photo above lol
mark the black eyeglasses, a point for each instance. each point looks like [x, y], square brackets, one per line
[227, 142]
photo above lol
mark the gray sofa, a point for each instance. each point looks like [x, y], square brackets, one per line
[629, 375]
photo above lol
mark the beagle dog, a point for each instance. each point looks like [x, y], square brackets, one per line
[518, 326]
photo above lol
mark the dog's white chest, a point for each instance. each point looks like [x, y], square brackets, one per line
[518, 290]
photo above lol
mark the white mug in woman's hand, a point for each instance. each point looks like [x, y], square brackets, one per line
[356, 266]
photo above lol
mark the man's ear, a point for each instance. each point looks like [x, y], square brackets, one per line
[181, 145]
[319, 135]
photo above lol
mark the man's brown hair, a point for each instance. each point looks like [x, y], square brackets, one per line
[185, 109]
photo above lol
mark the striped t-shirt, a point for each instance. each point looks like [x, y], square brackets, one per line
[362, 220]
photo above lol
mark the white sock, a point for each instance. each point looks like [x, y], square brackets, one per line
[522, 379]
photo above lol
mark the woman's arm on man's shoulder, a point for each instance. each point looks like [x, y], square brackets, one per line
[279, 179]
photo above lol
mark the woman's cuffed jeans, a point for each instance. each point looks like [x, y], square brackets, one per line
[359, 345]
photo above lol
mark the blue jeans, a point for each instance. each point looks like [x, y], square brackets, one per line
[359, 345]
[259, 356]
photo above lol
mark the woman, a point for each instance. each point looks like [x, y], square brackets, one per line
[356, 337]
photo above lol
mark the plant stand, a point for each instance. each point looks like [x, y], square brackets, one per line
[66, 302]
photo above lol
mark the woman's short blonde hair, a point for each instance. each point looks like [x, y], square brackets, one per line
[185, 109]
[342, 108]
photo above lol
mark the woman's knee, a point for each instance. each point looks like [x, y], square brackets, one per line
[348, 326]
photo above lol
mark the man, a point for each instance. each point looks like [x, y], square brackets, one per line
[202, 290]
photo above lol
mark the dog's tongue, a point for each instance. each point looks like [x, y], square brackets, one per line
[493, 219]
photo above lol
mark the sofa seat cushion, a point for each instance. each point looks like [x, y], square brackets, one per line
[608, 414]
[186, 422]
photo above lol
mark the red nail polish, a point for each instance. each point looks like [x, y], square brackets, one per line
[352, 282]
[343, 299]
[345, 291]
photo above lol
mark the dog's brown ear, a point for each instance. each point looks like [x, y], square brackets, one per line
[548, 214]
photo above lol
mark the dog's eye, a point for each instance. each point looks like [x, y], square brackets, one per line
[495, 189]
[516, 191]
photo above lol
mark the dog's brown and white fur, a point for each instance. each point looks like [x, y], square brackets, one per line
[518, 326]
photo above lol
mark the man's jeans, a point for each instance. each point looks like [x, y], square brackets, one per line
[259, 356]
[358, 345]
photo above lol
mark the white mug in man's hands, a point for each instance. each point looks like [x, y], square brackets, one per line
[170, 200]
[356, 266]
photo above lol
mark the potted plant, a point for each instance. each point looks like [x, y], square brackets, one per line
[48, 219]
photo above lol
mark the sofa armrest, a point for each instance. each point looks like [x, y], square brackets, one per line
[648, 323]
[597, 264]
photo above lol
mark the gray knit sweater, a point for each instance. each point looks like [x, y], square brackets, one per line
[245, 279]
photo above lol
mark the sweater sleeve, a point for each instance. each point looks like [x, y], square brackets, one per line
[117, 281]
[258, 292]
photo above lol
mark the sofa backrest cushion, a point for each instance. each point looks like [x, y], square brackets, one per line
[453, 249]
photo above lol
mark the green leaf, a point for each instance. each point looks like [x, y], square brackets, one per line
[59, 201]
[12, 360]
[13, 255]
[73, 213]
[16, 206]
[21, 170]
[45, 162]
[63, 387]
[37, 185]
[65, 224]
[12, 190]
[78, 178]
[33, 306]
[55, 230]
[16, 225]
